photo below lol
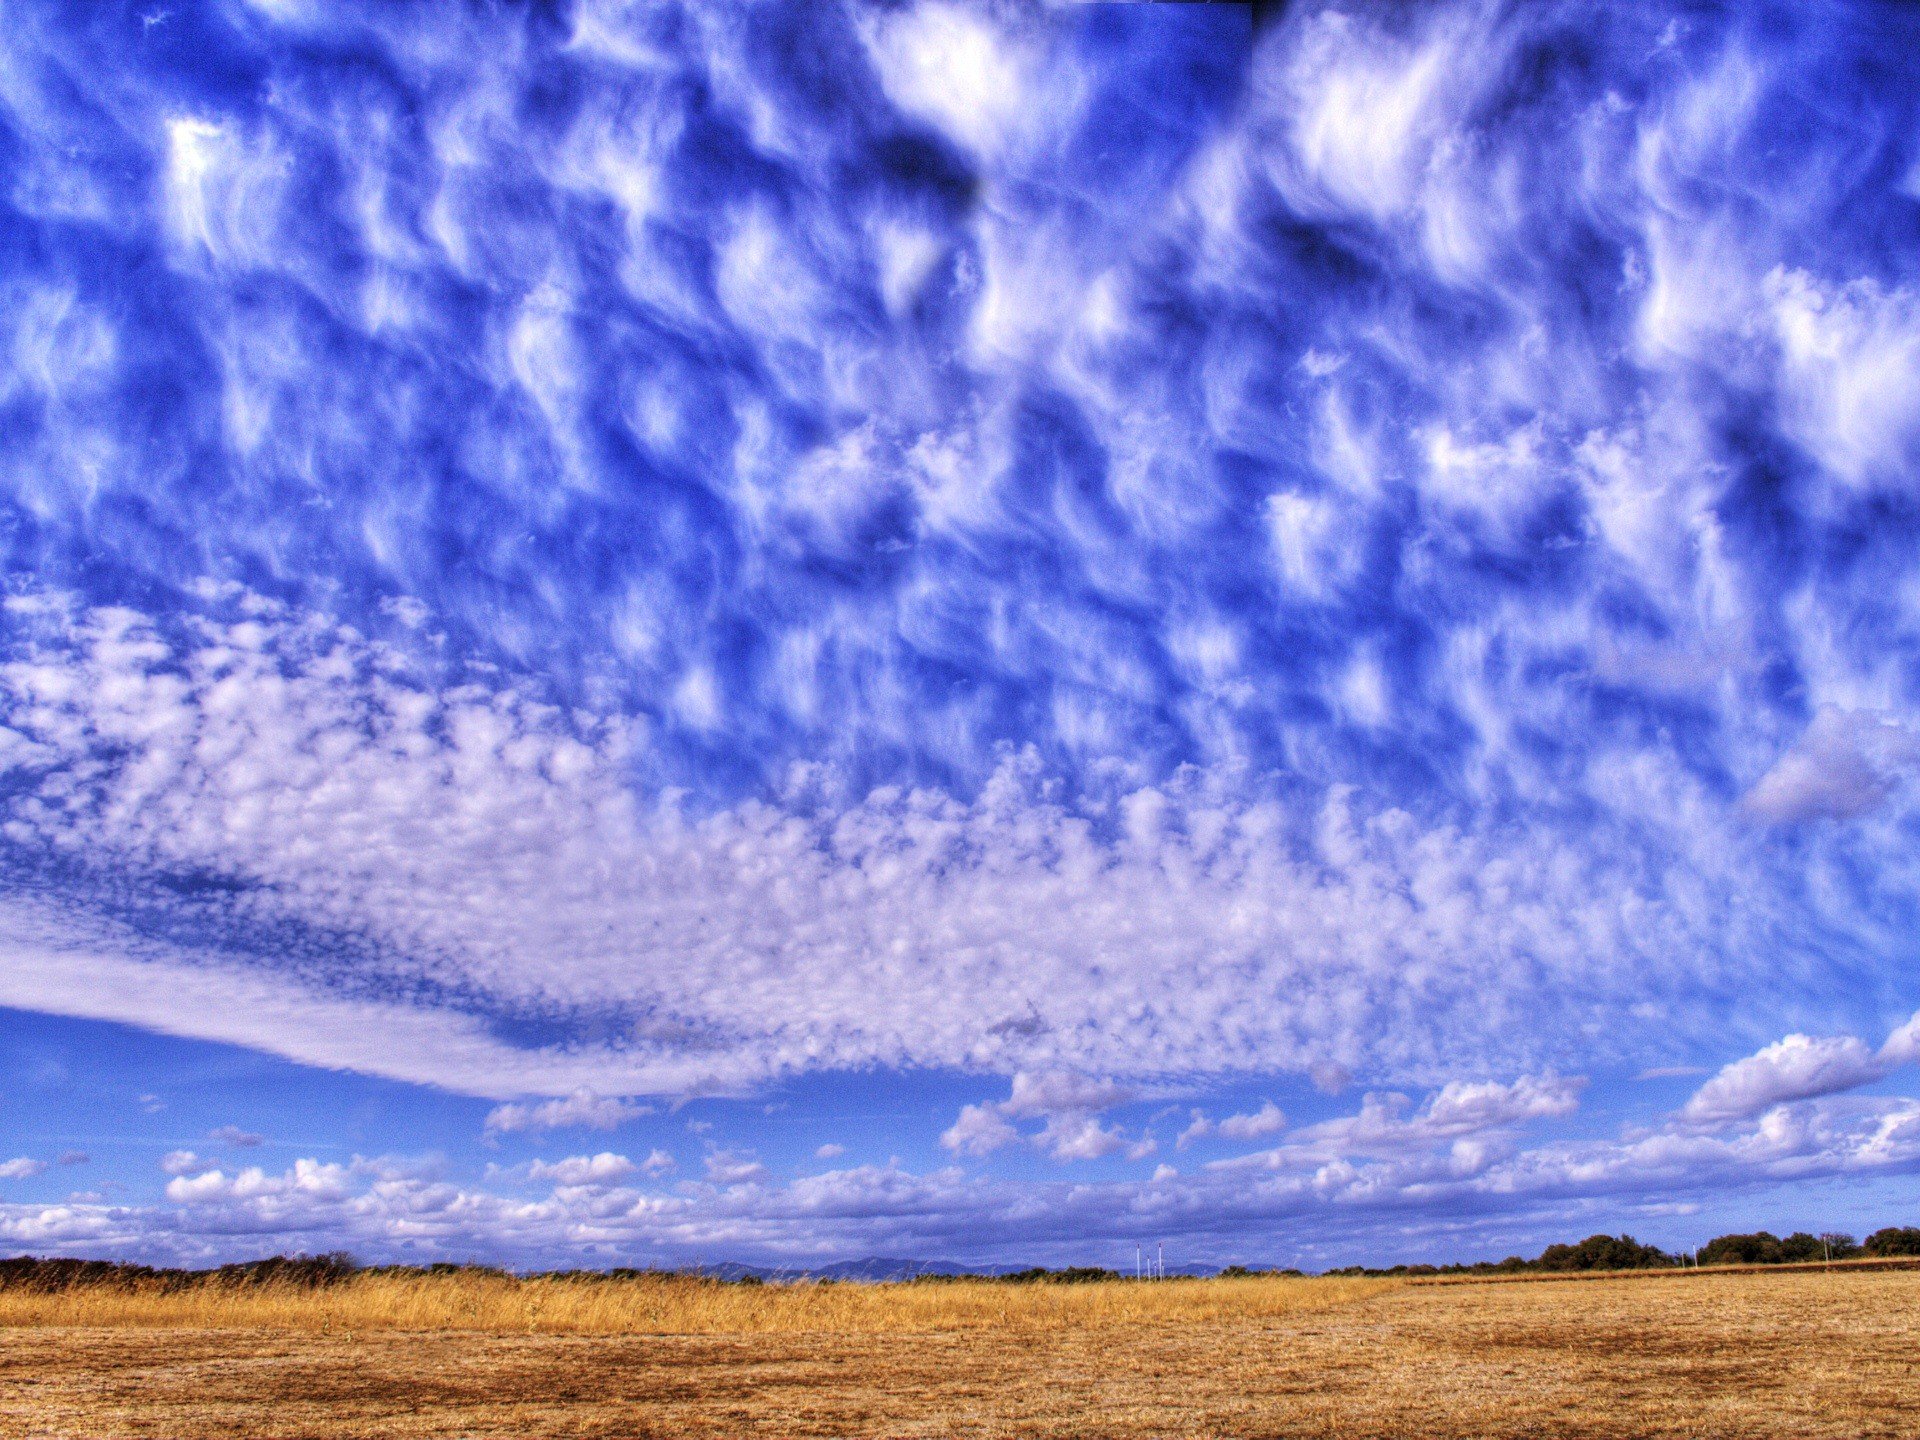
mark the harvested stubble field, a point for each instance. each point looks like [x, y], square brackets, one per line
[1700, 1354]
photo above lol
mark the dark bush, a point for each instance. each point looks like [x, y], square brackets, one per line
[1603, 1252]
[1760, 1248]
[1894, 1240]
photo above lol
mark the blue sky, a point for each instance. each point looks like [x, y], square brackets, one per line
[644, 633]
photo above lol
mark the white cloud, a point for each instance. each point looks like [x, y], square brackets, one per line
[830, 1151]
[21, 1168]
[734, 1167]
[484, 841]
[582, 1110]
[953, 65]
[1269, 1119]
[979, 1130]
[1346, 1201]
[183, 1162]
[1844, 765]
[1902, 1047]
[1050, 1092]
[601, 1169]
[1198, 1128]
[1389, 1126]
[1071, 1103]
[1850, 373]
[305, 1180]
[1796, 1068]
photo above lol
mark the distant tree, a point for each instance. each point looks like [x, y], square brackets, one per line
[1762, 1247]
[1894, 1240]
[1604, 1252]
[1800, 1247]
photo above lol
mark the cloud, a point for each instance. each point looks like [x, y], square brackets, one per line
[734, 1167]
[601, 1169]
[1083, 547]
[830, 1151]
[1467, 1122]
[954, 65]
[1269, 1119]
[183, 1162]
[587, 886]
[1843, 766]
[582, 1110]
[1439, 1190]
[1902, 1047]
[234, 1136]
[1795, 1068]
[1071, 1105]
[21, 1168]
[979, 1130]
[304, 1180]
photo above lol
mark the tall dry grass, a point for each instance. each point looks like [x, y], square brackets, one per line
[681, 1305]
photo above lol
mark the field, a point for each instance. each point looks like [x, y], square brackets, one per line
[1722, 1354]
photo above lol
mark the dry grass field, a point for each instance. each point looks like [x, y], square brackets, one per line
[1707, 1354]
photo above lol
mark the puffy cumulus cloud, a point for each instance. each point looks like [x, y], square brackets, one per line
[307, 1180]
[1269, 1119]
[1903, 1045]
[22, 1167]
[1469, 1123]
[1071, 1105]
[601, 1169]
[582, 1110]
[1348, 1201]
[979, 1130]
[734, 1167]
[1795, 1068]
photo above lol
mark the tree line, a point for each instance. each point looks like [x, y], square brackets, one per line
[1596, 1252]
[1623, 1252]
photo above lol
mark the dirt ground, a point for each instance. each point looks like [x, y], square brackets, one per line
[1804, 1354]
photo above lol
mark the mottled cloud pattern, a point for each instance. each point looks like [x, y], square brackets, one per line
[585, 552]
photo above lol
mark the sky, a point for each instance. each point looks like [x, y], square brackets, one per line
[650, 634]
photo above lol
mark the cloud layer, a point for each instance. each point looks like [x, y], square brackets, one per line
[603, 551]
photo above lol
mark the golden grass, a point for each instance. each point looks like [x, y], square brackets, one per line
[1808, 1355]
[682, 1305]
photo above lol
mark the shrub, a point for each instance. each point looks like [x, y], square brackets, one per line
[1762, 1247]
[1894, 1240]
[1603, 1252]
